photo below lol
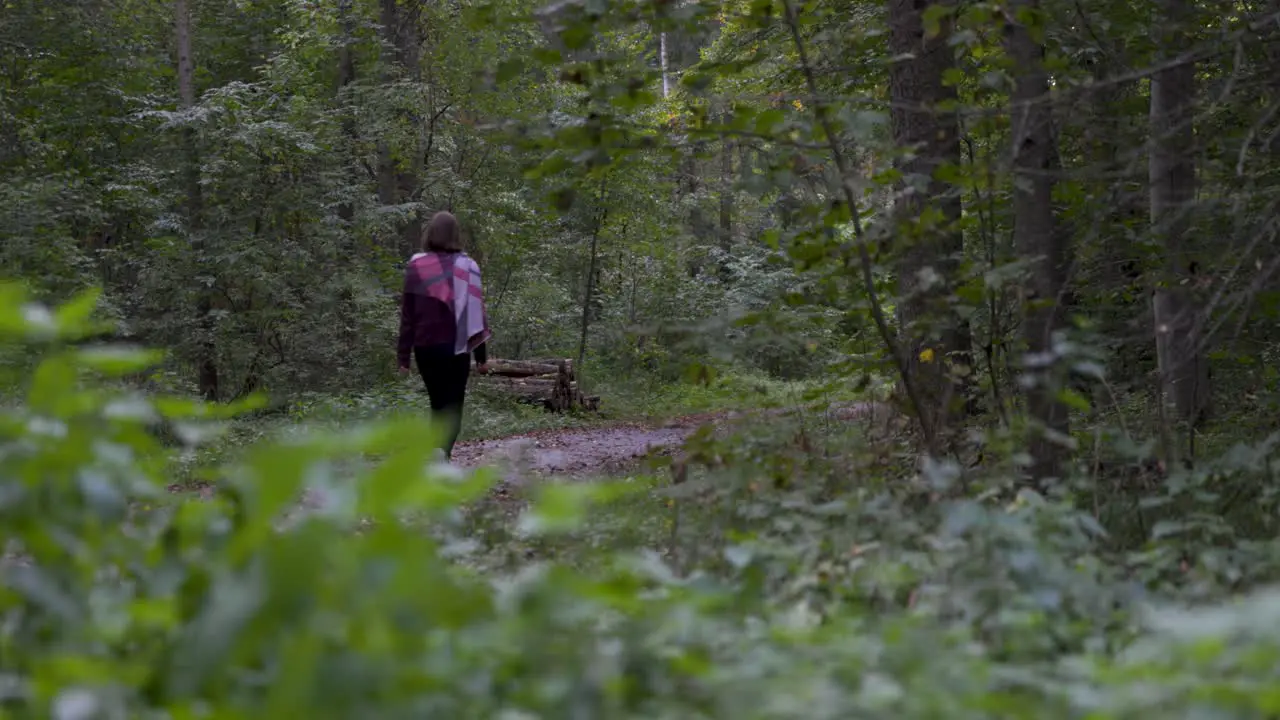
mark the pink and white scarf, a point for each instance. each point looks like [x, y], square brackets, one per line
[454, 279]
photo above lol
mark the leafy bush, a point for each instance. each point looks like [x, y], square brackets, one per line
[116, 602]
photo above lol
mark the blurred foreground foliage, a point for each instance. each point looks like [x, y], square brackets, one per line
[117, 601]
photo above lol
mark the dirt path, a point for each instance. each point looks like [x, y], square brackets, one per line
[571, 452]
[601, 451]
[579, 454]
[585, 453]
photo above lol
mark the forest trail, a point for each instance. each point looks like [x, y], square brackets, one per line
[574, 453]
[580, 452]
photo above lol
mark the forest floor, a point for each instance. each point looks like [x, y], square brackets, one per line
[595, 452]
[526, 447]
[584, 454]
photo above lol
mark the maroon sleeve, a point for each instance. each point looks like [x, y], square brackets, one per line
[404, 347]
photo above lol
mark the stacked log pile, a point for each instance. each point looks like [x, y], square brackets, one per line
[549, 383]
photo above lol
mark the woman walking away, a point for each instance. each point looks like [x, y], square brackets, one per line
[443, 321]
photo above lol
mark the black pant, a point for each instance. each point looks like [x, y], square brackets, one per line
[445, 375]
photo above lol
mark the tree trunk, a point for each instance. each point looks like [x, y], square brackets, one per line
[1113, 287]
[927, 212]
[398, 179]
[206, 346]
[662, 61]
[688, 192]
[1034, 163]
[593, 263]
[1271, 43]
[726, 203]
[347, 76]
[1183, 370]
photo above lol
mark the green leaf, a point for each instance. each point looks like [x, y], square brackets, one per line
[577, 36]
[53, 387]
[73, 316]
[950, 173]
[768, 120]
[697, 81]
[560, 507]
[1167, 528]
[12, 300]
[118, 360]
[547, 56]
[445, 487]
[836, 216]
[402, 481]
[933, 17]
[508, 69]
[700, 372]
[1073, 400]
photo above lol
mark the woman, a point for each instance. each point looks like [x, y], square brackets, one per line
[443, 321]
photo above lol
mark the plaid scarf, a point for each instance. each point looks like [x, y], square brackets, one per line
[454, 279]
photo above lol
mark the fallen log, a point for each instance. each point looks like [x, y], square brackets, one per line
[545, 386]
[556, 390]
[552, 361]
[527, 368]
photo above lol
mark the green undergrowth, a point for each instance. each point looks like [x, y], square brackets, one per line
[639, 398]
[730, 389]
[802, 569]
[688, 524]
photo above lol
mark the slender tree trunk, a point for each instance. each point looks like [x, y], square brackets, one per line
[1184, 378]
[399, 179]
[1118, 202]
[691, 185]
[347, 76]
[389, 19]
[1034, 162]
[588, 296]
[662, 61]
[927, 212]
[206, 346]
[1271, 43]
[726, 203]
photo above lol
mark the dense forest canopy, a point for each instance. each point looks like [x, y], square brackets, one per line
[1016, 263]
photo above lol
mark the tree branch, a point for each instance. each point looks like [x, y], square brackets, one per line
[822, 112]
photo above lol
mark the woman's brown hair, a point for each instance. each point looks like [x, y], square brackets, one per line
[442, 234]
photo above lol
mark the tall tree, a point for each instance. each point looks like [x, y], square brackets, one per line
[399, 174]
[347, 76]
[206, 347]
[1184, 371]
[599, 214]
[662, 63]
[1035, 160]
[928, 209]
[726, 202]
[1116, 198]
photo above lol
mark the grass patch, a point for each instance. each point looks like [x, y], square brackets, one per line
[628, 398]
[490, 415]
[690, 525]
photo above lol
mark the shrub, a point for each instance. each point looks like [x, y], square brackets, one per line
[118, 600]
